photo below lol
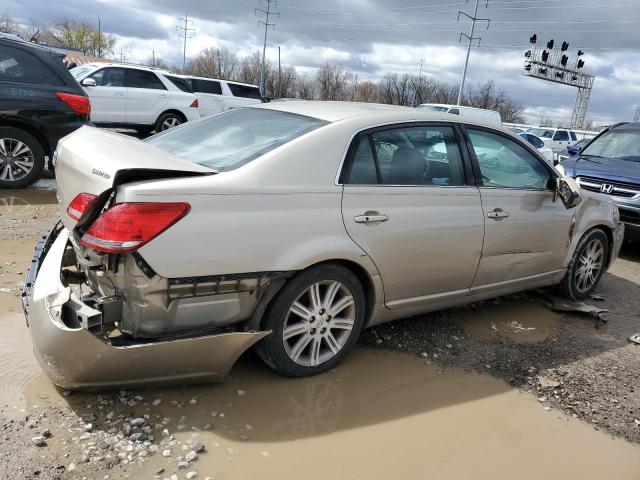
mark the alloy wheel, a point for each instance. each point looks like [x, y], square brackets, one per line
[319, 323]
[170, 123]
[589, 265]
[16, 159]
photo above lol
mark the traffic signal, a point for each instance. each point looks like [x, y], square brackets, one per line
[533, 39]
[565, 46]
[545, 55]
[564, 60]
[550, 44]
[580, 63]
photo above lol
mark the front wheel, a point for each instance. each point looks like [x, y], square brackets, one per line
[315, 321]
[21, 158]
[587, 265]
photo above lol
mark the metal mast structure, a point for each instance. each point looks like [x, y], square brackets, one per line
[267, 13]
[187, 31]
[470, 39]
[555, 65]
[636, 117]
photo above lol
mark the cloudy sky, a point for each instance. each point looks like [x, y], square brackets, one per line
[373, 37]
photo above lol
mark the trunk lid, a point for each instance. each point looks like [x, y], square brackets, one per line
[95, 161]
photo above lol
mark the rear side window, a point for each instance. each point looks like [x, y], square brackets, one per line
[422, 155]
[109, 77]
[573, 136]
[454, 111]
[143, 79]
[245, 91]
[18, 65]
[229, 140]
[181, 83]
[206, 86]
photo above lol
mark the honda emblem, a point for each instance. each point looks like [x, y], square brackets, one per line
[606, 188]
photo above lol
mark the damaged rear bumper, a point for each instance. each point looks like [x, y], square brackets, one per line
[77, 358]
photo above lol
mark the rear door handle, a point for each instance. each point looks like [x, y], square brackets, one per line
[118, 94]
[373, 218]
[498, 214]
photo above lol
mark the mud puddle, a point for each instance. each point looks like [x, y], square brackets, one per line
[521, 322]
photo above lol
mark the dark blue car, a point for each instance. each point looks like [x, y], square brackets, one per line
[610, 164]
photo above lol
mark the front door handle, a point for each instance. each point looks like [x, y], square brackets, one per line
[162, 95]
[498, 214]
[118, 94]
[373, 217]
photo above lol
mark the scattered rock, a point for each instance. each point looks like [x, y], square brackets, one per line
[190, 475]
[191, 456]
[39, 441]
[546, 382]
[137, 422]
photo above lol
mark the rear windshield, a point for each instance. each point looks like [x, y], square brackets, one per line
[229, 140]
[621, 145]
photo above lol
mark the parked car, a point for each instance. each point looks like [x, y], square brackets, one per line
[128, 96]
[467, 113]
[40, 102]
[610, 164]
[295, 215]
[539, 145]
[557, 139]
[216, 96]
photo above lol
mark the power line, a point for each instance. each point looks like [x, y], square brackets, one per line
[186, 33]
[267, 13]
[470, 39]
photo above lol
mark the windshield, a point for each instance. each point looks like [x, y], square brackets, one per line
[618, 145]
[541, 132]
[78, 72]
[229, 140]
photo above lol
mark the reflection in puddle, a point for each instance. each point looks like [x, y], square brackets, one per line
[521, 322]
[15, 200]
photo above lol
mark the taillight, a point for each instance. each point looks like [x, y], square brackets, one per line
[80, 204]
[125, 227]
[194, 104]
[77, 103]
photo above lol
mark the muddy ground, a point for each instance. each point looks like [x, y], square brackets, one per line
[501, 389]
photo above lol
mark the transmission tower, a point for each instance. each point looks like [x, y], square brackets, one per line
[554, 65]
[636, 117]
[187, 31]
[267, 13]
[470, 39]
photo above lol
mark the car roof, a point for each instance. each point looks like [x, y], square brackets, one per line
[124, 65]
[333, 111]
[218, 80]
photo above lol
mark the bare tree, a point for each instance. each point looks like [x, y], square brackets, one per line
[489, 98]
[83, 37]
[214, 62]
[7, 25]
[366, 91]
[333, 82]
[306, 88]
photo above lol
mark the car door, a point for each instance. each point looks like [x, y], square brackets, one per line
[109, 96]
[146, 96]
[210, 98]
[408, 204]
[527, 226]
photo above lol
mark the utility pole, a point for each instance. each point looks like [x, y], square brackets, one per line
[421, 65]
[636, 118]
[153, 58]
[470, 39]
[99, 39]
[279, 74]
[267, 13]
[419, 83]
[187, 31]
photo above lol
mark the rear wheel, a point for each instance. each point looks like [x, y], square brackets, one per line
[315, 321]
[587, 265]
[21, 158]
[168, 120]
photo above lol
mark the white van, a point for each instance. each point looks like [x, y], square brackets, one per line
[469, 113]
[216, 96]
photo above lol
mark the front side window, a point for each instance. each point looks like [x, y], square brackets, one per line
[621, 145]
[17, 65]
[421, 155]
[206, 86]
[229, 140]
[109, 77]
[561, 135]
[504, 163]
[143, 79]
[245, 91]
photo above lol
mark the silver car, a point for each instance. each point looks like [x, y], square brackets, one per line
[292, 226]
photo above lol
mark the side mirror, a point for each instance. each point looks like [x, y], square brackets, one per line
[568, 191]
[573, 149]
[88, 82]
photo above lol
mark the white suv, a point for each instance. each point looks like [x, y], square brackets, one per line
[216, 96]
[128, 96]
[557, 139]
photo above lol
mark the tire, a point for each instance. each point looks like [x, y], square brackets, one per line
[315, 341]
[590, 255]
[168, 120]
[21, 158]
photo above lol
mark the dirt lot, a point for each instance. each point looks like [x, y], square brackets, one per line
[502, 389]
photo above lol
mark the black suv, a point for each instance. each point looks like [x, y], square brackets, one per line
[40, 102]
